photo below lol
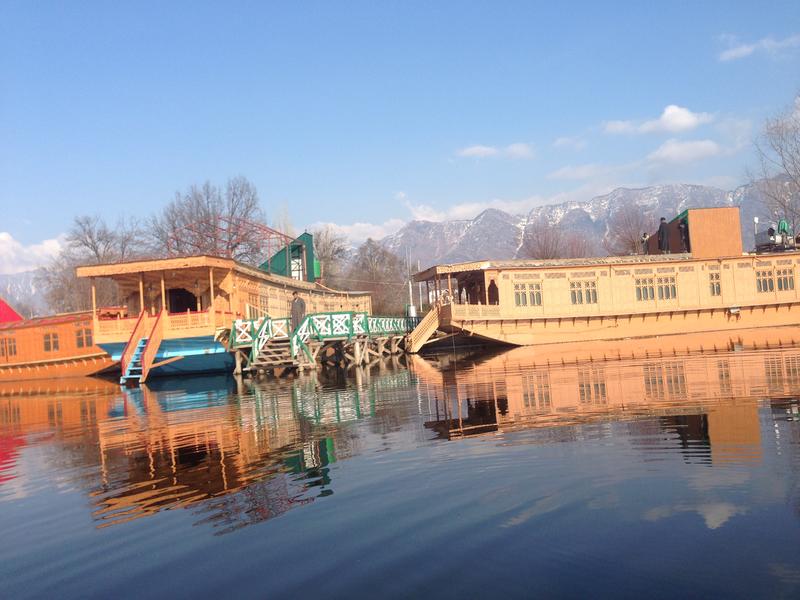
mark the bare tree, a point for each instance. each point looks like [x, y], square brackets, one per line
[625, 229]
[208, 220]
[575, 245]
[778, 150]
[380, 272]
[330, 247]
[543, 241]
[90, 240]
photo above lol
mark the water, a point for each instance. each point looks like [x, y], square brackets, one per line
[457, 476]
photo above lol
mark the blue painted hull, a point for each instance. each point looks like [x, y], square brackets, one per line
[200, 355]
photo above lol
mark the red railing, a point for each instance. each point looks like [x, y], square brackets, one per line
[152, 345]
[138, 333]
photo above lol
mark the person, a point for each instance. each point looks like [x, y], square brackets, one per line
[645, 237]
[663, 236]
[298, 310]
[683, 227]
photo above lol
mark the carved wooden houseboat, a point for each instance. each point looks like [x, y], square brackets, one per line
[706, 283]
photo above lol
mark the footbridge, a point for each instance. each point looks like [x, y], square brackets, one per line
[339, 338]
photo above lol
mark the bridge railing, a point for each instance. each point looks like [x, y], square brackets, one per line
[255, 333]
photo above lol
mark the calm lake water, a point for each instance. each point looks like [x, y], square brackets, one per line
[456, 476]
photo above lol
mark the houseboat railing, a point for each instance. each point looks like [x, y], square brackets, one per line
[153, 343]
[139, 330]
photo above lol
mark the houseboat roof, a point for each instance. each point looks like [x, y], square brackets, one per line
[131, 270]
[48, 320]
[531, 263]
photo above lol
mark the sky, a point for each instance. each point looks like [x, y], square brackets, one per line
[369, 114]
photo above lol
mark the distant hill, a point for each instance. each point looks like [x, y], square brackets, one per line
[22, 292]
[495, 234]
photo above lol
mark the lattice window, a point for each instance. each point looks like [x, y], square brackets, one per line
[520, 297]
[667, 290]
[583, 291]
[765, 281]
[714, 283]
[592, 386]
[536, 391]
[785, 280]
[51, 342]
[83, 337]
[645, 290]
[535, 294]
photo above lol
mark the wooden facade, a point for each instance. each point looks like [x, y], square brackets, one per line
[527, 302]
[203, 294]
[50, 347]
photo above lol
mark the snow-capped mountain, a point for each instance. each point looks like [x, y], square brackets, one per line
[22, 292]
[495, 234]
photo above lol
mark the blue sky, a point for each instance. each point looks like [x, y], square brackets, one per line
[370, 114]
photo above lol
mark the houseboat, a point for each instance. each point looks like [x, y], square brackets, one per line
[51, 347]
[702, 283]
[179, 312]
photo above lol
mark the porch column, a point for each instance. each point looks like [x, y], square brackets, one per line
[428, 291]
[94, 304]
[141, 292]
[449, 287]
[163, 293]
[211, 295]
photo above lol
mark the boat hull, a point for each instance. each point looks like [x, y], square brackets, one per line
[187, 356]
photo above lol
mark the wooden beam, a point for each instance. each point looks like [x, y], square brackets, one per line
[211, 296]
[163, 293]
[141, 292]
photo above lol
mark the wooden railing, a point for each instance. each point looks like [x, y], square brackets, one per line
[111, 326]
[139, 331]
[425, 329]
[475, 311]
[153, 343]
[188, 320]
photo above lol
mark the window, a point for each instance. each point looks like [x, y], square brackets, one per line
[535, 293]
[667, 290]
[83, 338]
[583, 291]
[764, 281]
[11, 347]
[51, 342]
[520, 297]
[536, 391]
[644, 289]
[713, 279]
[785, 280]
[576, 292]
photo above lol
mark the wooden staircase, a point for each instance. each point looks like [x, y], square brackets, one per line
[277, 352]
[133, 370]
[423, 332]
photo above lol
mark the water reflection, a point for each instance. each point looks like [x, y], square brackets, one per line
[239, 452]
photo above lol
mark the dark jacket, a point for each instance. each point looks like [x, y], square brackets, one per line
[298, 312]
[663, 237]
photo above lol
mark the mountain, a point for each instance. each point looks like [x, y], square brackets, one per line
[22, 292]
[495, 234]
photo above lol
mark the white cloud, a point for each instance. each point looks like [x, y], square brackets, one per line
[573, 143]
[676, 151]
[400, 196]
[16, 257]
[478, 151]
[768, 45]
[359, 232]
[519, 150]
[619, 127]
[515, 150]
[673, 119]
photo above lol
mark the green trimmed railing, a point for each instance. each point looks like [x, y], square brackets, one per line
[255, 333]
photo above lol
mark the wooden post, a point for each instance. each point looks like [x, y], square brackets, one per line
[94, 305]
[211, 296]
[428, 291]
[141, 292]
[449, 287]
[163, 293]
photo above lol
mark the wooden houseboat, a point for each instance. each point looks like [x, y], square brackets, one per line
[179, 312]
[705, 283]
[50, 347]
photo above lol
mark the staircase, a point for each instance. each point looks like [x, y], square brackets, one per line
[276, 352]
[133, 370]
[423, 332]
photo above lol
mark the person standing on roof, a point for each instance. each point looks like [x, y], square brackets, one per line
[663, 236]
[298, 310]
